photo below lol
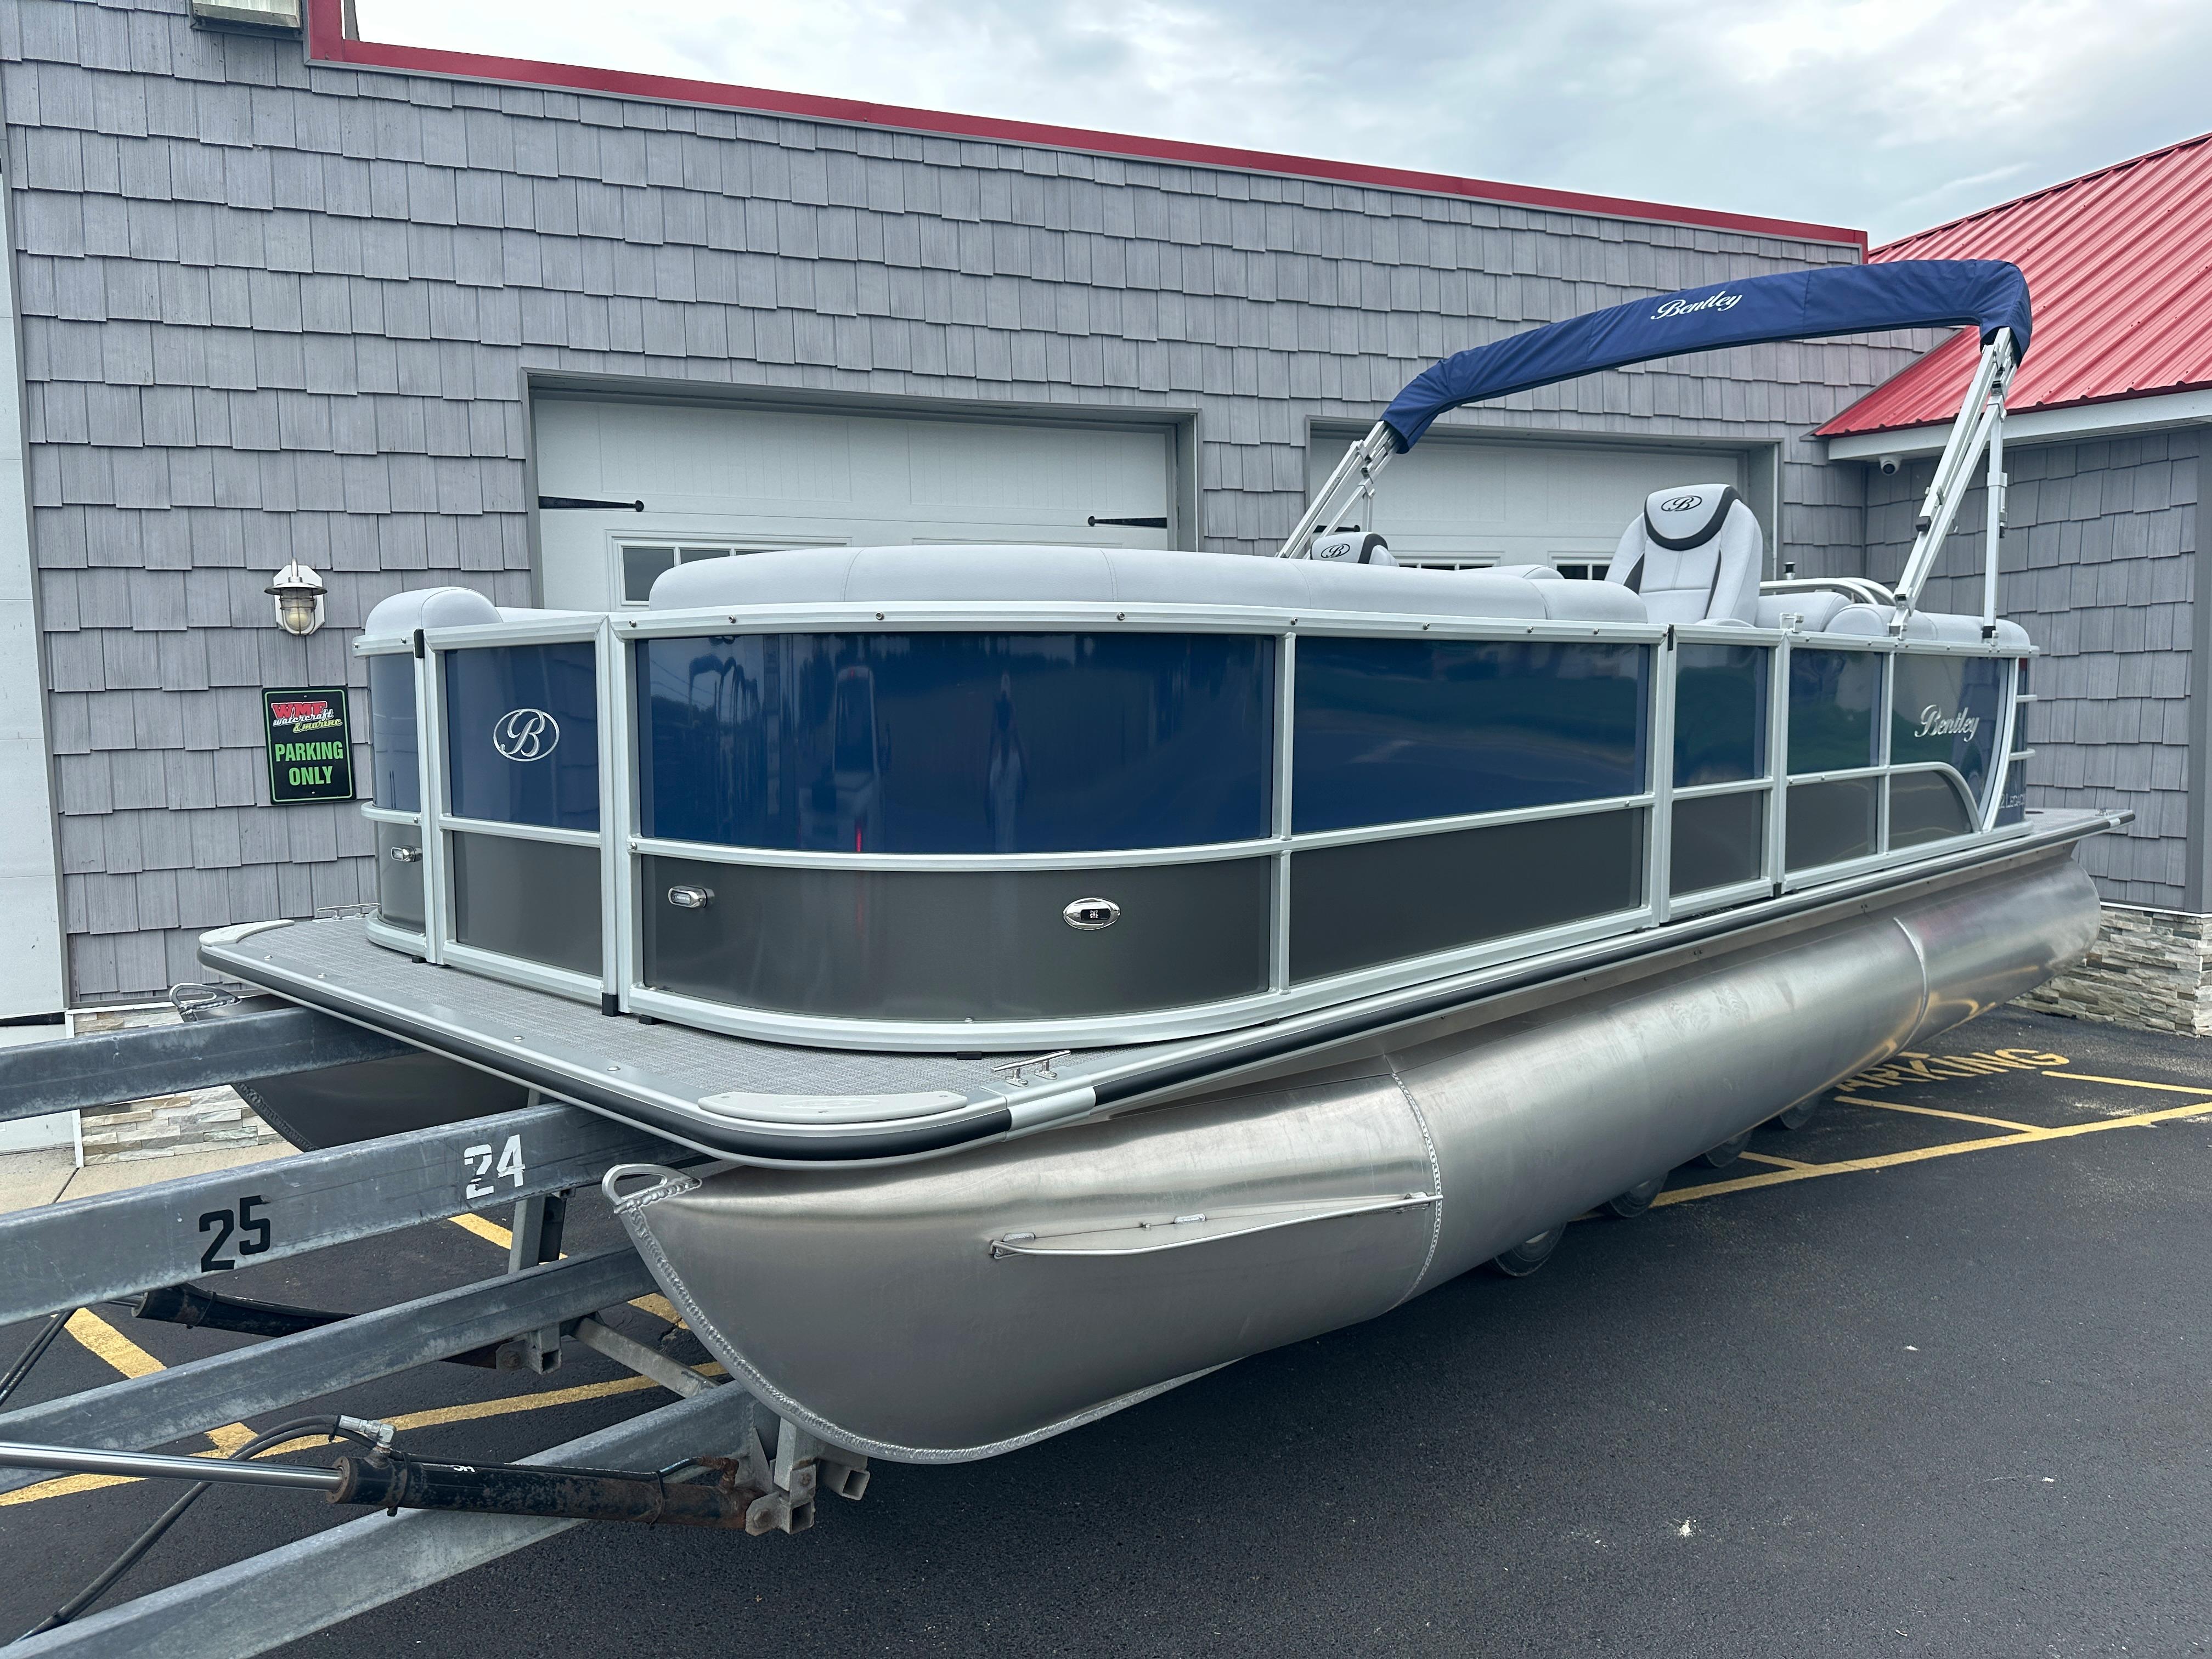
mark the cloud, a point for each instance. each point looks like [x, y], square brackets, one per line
[1886, 114]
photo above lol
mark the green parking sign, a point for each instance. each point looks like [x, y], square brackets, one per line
[310, 745]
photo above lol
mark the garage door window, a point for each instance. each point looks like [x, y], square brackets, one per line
[644, 561]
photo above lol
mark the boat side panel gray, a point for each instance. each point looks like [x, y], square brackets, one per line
[799, 1280]
[1382, 901]
[1718, 839]
[953, 944]
[533, 899]
[399, 880]
[1129, 575]
[1830, 821]
[877, 1301]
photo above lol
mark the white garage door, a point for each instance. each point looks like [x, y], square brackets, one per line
[716, 480]
[1461, 501]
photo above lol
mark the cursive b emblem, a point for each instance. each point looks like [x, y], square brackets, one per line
[526, 734]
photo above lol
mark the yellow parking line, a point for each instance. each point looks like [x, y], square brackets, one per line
[490, 1231]
[2130, 1083]
[1778, 1163]
[103, 1341]
[1931, 1111]
[1918, 1154]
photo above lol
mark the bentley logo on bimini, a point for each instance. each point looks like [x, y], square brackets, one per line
[1935, 723]
[1681, 503]
[1723, 301]
[526, 734]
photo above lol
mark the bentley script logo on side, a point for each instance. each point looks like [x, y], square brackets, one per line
[1935, 723]
[526, 734]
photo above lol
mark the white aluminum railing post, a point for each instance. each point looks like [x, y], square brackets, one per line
[1979, 416]
[1365, 458]
[1994, 506]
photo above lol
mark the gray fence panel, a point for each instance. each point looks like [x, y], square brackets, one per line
[66, 1255]
[144, 1412]
[76, 1073]
[324, 1580]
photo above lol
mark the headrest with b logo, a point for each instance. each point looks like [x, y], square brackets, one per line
[1353, 547]
[1687, 515]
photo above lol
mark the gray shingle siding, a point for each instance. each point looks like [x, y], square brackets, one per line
[270, 309]
[2100, 567]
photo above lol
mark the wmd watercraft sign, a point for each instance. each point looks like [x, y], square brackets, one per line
[310, 748]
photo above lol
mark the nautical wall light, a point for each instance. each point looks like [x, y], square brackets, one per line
[298, 594]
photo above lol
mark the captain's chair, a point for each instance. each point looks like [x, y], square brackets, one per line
[1695, 555]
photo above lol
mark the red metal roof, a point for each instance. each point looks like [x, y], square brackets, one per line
[2120, 268]
[328, 42]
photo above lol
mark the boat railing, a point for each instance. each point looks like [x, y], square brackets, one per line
[1351, 803]
[1858, 589]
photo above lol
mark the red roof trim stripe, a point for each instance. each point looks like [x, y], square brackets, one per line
[328, 44]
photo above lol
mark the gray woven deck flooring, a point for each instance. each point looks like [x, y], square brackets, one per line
[701, 1062]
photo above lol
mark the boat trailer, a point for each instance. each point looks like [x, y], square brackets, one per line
[710, 1458]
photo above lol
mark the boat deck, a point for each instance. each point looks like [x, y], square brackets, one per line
[774, 1099]
[739, 1098]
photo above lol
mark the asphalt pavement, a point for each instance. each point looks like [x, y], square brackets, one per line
[1931, 1375]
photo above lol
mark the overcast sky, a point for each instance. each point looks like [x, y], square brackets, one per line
[1889, 115]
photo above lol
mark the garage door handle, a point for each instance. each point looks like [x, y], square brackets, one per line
[585, 504]
[1134, 524]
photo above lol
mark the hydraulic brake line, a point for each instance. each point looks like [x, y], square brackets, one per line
[333, 1428]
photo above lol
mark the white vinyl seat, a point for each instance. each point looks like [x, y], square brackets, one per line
[1695, 555]
[1873, 621]
[1814, 611]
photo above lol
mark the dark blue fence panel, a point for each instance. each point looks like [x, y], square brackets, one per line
[1392, 729]
[1948, 710]
[1720, 713]
[394, 749]
[522, 734]
[1834, 695]
[956, 743]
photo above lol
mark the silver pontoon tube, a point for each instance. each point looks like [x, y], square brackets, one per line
[951, 1309]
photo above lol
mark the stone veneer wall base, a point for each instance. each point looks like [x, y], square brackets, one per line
[2148, 971]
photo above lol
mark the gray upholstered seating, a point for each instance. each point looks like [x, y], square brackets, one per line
[1873, 620]
[1814, 611]
[1016, 575]
[1695, 555]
